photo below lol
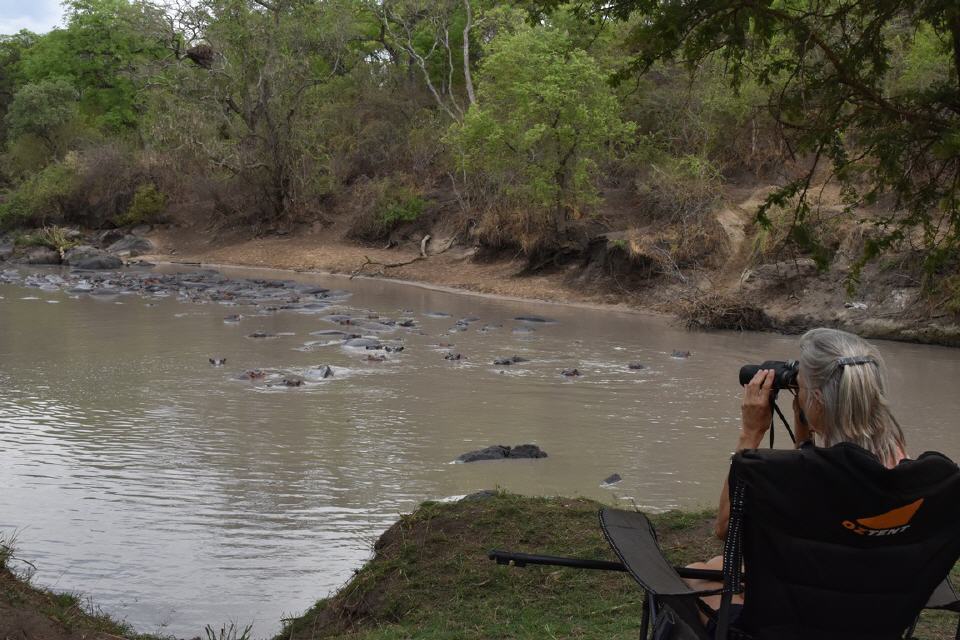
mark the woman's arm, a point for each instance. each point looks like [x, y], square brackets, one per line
[756, 413]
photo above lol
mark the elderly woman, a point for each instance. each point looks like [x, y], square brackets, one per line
[841, 397]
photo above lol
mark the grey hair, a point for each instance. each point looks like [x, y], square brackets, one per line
[855, 407]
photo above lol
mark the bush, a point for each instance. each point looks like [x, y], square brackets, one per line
[147, 206]
[57, 238]
[682, 189]
[381, 205]
[42, 198]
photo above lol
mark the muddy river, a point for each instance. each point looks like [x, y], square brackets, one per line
[175, 494]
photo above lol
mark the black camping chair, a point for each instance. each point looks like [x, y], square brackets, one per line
[833, 544]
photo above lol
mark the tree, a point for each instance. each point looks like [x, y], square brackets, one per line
[545, 112]
[270, 64]
[43, 109]
[828, 66]
[102, 52]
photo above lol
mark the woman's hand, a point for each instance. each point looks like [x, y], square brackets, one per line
[756, 411]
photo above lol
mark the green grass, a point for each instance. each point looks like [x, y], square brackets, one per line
[431, 580]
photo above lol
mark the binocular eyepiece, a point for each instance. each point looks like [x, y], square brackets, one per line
[785, 373]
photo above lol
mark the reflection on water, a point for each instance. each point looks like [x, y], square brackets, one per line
[176, 495]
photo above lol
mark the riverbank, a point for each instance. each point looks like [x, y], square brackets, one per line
[429, 578]
[741, 285]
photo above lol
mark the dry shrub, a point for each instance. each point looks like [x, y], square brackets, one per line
[679, 189]
[719, 311]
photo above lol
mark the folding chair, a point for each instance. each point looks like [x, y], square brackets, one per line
[833, 545]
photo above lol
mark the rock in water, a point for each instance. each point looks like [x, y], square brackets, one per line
[6, 251]
[87, 257]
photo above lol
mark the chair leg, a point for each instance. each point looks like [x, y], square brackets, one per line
[645, 619]
[913, 627]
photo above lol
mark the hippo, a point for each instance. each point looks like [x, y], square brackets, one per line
[535, 319]
[500, 452]
[636, 366]
[452, 356]
[509, 361]
[292, 381]
[437, 314]
[393, 349]
[217, 362]
[613, 478]
[570, 373]
[680, 354]
[232, 318]
[323, 372]
[262, 334]
[376, 358]
[252, 374]
[407, 323]
[363, 343]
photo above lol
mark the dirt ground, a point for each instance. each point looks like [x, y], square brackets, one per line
[786, 295]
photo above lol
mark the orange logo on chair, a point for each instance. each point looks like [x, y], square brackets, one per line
[886, 524]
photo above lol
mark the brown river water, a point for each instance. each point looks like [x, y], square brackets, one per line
[175, 495]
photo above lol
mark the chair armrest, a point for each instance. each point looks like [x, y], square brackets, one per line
[633, 539]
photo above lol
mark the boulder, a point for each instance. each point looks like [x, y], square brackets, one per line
[131, 246]
[109, 237]
[87, 257]
[500, 452]
[42, 255]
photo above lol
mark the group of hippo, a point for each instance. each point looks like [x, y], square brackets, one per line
[356, 331]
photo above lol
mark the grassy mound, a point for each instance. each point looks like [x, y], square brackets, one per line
[430, 577]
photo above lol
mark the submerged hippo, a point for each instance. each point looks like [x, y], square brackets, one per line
[680, 354]
[320, 373]
[252, 374]
[363, 343]
[636, 366]
[217, 362]
[452, 356]
[509, 361]
[570, 373]
[376, 358]
[262, 334]
[292, 381]
[501, 452]
[535, 319]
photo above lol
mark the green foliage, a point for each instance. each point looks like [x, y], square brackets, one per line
[56, 238]
[402, 206]
[103, 51]
[43, 110]
[147, 206]
[41, 198]
[545, 114]
[827, 67]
